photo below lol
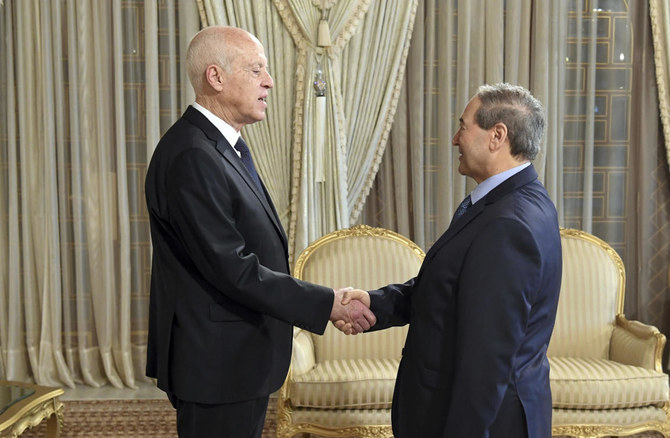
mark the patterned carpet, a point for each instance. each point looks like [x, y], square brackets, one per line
[125, 419]
[114, 418]
[137, 418]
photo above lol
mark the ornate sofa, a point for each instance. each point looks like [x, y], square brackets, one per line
[606, 376]
[341, 386]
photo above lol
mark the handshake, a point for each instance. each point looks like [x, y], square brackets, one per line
[351, 312]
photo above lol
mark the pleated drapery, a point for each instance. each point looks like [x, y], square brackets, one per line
[360, 46]
[456, 47]
[87, 88]
[600, 160]
[659, 11]
[72, 299]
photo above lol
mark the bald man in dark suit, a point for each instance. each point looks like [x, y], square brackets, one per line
[222, 301]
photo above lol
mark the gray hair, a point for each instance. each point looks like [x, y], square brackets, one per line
[514, 106]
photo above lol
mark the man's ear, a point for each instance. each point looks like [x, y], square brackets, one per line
[498, 136]
[214, 77]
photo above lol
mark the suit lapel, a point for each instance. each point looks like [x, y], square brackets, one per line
[229, 154]
[511, 184]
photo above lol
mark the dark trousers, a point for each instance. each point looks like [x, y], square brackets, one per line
[232, 420]
[511, 420]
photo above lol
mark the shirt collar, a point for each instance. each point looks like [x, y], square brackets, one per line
[226, 130]
[494, 181]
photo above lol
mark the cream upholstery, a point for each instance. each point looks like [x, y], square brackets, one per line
[606, 376]
[343, 385]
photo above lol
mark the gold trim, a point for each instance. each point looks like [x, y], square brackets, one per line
[355, 231]
[380, 431]
[649, 331]
[286, 429]
[579, 234]
[606, 430]
[621, 320]
[32, 410]
[285, 426]
[597, 430]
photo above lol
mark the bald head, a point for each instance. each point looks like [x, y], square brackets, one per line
[228, 70]
[218, 45]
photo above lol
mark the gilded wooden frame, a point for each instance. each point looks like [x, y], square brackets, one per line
[605, 430]
[286, 428]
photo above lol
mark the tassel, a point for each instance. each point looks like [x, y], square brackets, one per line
[323, 37]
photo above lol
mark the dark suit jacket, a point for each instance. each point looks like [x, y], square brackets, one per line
[481, 312]
[222, 300]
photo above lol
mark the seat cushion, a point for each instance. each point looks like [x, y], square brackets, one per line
[583, 383]
[346, 384]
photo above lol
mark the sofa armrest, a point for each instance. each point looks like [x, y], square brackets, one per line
[638, 344]
[303, 357]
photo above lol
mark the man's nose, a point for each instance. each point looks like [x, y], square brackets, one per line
[268, 82]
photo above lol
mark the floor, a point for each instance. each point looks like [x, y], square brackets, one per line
[110, 414]
[124, 413]
[144, 391]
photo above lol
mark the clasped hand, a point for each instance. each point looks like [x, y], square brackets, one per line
[351, 312]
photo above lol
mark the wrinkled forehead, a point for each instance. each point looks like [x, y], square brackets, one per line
[249, 51]
[471, 108]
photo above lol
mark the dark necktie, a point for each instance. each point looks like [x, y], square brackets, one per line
[460, 211]
[243, 149]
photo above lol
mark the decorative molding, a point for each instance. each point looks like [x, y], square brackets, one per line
[355, 231]
[357, 431]
[601, 431]
[35, 416]
[285, 426]
[605, 430]
[579, 234]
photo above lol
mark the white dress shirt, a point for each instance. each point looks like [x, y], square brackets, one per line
[226, 130]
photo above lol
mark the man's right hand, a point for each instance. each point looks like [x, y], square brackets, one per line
[351, 311]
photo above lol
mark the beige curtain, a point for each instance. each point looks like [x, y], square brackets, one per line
[618, 174]
[326, 153]
[601, 160]
[87, 87]
[648, 283]
[456, 47]
[659, 11]
[274, 157]
[73, 241]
